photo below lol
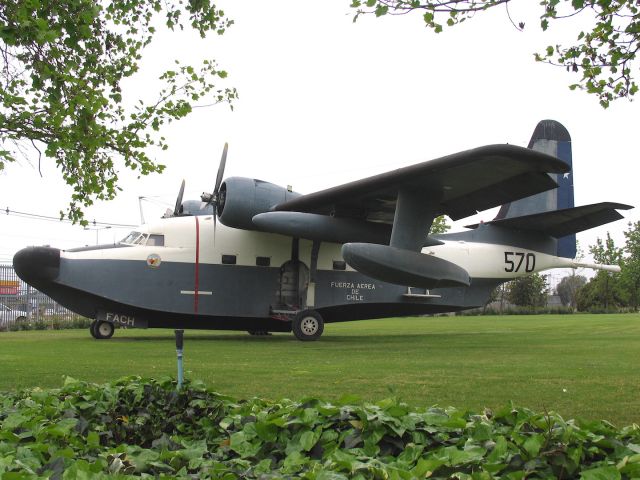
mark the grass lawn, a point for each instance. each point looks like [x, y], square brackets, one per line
[584, 366]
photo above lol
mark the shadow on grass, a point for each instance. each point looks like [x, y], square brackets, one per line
[280, 338]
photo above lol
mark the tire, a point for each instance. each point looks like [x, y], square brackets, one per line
[92, 329]
[307, 325]
[21, 319]
[104, 330]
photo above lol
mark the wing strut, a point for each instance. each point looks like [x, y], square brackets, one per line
[401, 262]
[415, 211]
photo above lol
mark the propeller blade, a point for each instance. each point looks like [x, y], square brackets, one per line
[176, 211]
[223, 162]
[212, 198]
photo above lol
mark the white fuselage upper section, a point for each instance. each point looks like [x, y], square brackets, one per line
[191, 239]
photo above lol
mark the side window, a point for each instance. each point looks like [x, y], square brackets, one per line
[228, 259]
[263, 261]
[156, 240]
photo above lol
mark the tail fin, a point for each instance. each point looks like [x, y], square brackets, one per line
[552, 138]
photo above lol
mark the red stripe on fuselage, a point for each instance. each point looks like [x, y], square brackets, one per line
[197, 271]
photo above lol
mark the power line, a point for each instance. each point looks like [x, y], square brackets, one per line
[35, 216]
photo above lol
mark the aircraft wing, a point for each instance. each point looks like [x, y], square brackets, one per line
[465, 182]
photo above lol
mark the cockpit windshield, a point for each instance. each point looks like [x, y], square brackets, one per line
[134, 238]
[137, 238]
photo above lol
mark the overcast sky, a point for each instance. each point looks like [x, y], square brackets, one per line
[324, 101]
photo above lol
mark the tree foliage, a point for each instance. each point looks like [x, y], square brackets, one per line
[528, 291]
[439, 225]
[604, 288]
[63, 65]
[568, 289]
[631, 263]
[603, 293]
[604, 54]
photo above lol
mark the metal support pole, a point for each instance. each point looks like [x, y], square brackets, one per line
[29, 309]
[179, 347]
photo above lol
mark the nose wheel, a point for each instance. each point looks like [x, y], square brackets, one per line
[101, 330]
[307, 325]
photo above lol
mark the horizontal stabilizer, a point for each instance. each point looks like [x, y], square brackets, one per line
[559, 223]
[404, 267]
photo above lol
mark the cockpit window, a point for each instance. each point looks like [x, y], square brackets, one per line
[155, 240]
[141, 240]
[132, 238]
[137, 238]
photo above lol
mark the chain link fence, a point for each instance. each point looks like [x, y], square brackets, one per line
[22, 307]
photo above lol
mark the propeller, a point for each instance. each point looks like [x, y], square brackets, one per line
[176, 211]
[213, 198]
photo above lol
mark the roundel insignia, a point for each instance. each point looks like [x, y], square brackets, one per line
[154, 260]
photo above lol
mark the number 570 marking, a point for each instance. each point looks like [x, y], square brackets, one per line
[515, 264]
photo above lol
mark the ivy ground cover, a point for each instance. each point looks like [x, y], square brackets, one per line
[148, 428]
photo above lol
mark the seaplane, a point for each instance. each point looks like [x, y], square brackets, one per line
[254, 256]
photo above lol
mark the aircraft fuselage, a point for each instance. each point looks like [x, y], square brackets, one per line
[173, 274]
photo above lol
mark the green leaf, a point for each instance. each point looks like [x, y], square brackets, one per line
[600, 473]
[267, 431]
[13, 421]
[499, 450]
[308, 439]
[458, 457]
[93, 439]
[425, 467]
[532, 445]
[70, 381]
[293, 462]
[62, 428]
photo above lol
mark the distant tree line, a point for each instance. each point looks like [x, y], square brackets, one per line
[614, 291]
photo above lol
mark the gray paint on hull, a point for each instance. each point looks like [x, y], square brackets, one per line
[241, 291]
[235, 290]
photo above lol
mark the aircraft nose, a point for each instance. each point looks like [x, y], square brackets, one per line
[37, 264]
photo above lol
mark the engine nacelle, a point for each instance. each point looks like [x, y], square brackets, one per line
[240, 199]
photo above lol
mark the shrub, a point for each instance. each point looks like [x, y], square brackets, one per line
[53, 323]
[134, 426]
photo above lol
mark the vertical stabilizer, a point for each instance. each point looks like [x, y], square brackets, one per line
[552, 138]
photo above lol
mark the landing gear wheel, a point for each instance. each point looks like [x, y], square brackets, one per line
[307, 325]
[92, 329]
[104, 330]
